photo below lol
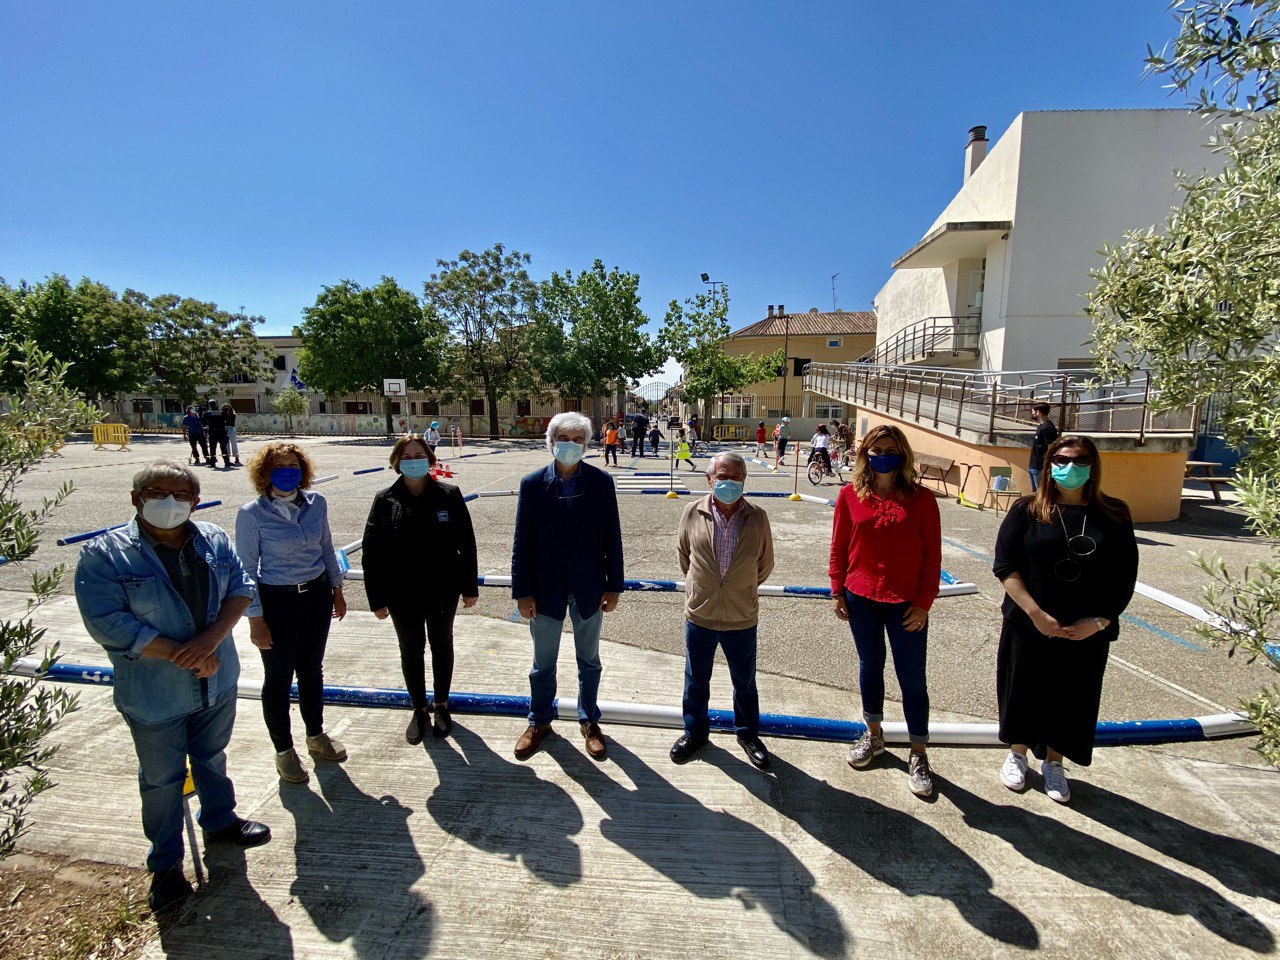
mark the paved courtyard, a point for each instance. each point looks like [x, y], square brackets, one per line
[454, 849]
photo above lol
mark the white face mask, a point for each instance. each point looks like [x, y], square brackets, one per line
[167, 513]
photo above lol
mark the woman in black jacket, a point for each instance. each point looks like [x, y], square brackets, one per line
[1068, 560]
[419, 553]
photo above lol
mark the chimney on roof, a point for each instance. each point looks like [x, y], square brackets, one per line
[782, 311]
[975, 151]
[771, 311]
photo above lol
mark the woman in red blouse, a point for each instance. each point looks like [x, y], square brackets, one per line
[886, 560]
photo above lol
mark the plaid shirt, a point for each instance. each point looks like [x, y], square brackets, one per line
[727, 530]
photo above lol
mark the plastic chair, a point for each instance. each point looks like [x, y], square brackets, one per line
[1000, 484]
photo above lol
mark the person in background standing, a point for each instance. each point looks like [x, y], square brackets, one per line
[433, 435]
[725, 550]
[655, 434]
[566, 558]
[610, 443]
[229, 420]
[216, 428]
[639, 428]
[284, 540]
[762, 438]
[1068, 560]
[193, 433]
[1046, 433]
[419, 553]
[783, 434]
[886, 564]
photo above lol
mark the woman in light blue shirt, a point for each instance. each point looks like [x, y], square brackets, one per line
[284, 542]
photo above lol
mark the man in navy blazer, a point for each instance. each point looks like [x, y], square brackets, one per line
[567, 556]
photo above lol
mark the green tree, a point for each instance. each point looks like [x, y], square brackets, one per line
[1198, 301]
[591, 333]
[290, 403]
[694, 334]
[102, 337]
[33, 422]
[355, 337]
[488, 303]
[195, 345]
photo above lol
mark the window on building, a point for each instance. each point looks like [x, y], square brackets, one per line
[431, 408]
[395, 406]
[523, 408]
[834, 341]
[570, 404]
[144, 406]
[737, 407]
[356, 406]
[828, 411]
[322, 409]
[477, 408]
[279, 362]
[248, 405]
[798, 364]
[171, 405]
[241, 378]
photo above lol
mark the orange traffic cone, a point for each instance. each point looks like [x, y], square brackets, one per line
[448, 472]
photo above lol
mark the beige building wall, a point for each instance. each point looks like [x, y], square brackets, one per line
[768, 394]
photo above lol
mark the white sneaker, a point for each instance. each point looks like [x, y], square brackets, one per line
[1055, 781]
[1014, 772]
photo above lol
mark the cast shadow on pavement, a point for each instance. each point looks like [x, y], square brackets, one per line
[891, 846]
[356, 867]
[478, 799]
[1237, 864]
[227, 918]
[710, 853]
[1053, 845]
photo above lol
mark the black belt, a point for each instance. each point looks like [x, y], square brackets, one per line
[322, 580]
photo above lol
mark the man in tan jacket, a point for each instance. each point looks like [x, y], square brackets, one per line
[726, 552]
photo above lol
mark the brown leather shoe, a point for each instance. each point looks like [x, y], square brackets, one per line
[595, 740]
[529, 741]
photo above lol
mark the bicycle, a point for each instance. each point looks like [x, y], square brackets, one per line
[817, 473]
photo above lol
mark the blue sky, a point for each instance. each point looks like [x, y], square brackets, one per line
[250, 153]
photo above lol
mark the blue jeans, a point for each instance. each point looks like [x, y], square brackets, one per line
[700, 655]
[546, 648]
[1035, 478]
[162, 750]
[869, 621]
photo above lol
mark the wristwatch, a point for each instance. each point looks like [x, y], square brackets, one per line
[1098, 621]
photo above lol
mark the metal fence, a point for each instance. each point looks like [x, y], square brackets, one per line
[991, 401]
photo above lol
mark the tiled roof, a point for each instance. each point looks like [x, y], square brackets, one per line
[812, 324]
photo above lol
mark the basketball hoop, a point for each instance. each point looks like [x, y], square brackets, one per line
[393, 388]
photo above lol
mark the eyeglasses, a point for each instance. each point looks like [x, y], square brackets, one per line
[156, 493]
[1060, 461]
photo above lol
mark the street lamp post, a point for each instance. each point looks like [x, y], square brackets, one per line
[786, 345]
[706, 278]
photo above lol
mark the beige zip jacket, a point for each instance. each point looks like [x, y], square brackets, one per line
[729, 604]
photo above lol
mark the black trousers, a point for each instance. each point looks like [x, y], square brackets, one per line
[637, 446]
[423, 621]
[198, 438]
[299, 625]
[216, 441]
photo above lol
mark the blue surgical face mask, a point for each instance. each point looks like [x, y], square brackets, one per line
[286, 479]
[568, 452]
[1071, 477]
[728, 491]
[415, 469]
[885, 462]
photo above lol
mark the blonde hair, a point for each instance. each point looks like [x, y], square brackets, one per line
[904, 478]
[261, 464]
[397, 452]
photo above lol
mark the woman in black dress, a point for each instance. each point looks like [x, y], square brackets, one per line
[1068, 561]
[419, 554]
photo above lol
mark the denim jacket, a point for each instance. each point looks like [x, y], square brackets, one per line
[127, 600]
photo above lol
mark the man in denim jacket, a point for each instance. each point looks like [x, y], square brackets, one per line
[161, 595]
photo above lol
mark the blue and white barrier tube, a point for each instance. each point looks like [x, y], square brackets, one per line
[1109, 732]
[78, 537]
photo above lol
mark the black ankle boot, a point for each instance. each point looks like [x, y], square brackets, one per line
[417, 724]
[443, 722]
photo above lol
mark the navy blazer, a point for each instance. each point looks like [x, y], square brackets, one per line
[566, 547]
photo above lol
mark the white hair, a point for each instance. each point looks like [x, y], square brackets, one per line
[570, 420]
[166, 470]
[729, 459]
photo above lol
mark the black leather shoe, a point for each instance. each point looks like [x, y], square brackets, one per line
[755, 751]
[686, 747]
[413, 732]
[243, 833]
[443, 723]
[168, 889]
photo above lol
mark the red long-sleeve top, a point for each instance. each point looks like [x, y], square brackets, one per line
[887, 549]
